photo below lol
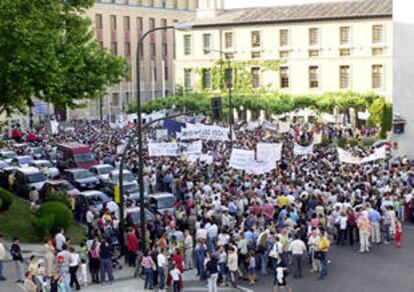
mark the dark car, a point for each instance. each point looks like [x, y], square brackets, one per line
[133, 217]
[82, 179]
[59, 185]
[128, 187]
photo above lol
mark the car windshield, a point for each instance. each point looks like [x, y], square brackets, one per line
[98, 199]
[82, 174]
[8, 155]
[136, 218]
[35, 177]
[105, 170]
[24, 159]
[36, 151]
[128, 176]
[164, 203]
[44, 164]
[66, 186]
[84, 157]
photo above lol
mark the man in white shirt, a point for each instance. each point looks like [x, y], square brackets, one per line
[60, 239]
[188, 250]
[298, 248]
[162, 265]
[89, 220]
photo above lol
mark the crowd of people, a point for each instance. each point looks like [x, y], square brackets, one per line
[232, 226]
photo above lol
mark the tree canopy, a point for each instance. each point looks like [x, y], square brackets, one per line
[47, 51]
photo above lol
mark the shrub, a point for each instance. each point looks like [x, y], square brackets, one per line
[353, 142]
[43, 225]
[6, 198]
[367, 142]
[62, 214]
[58, 196]
[341, 142]
[325, 141]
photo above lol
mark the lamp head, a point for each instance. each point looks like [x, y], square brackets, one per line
[183, 26]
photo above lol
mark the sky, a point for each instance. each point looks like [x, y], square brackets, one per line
[255, 3]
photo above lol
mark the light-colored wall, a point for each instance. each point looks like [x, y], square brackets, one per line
[184, 10]
[298, 62]
[403, 92]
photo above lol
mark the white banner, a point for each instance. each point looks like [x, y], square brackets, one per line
[317, 138]
[300, 150]
[252, 125]
[269, 126]
[347, 157]
[284, 127]
[363, 115]
[203, 132]
[161, 135]
[255, 167]
[268, 151]
[174, 149]
[328, 118]
[201, 157]
[240, 159]
[54, 125]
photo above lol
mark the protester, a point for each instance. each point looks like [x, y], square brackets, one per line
[2, 258]
[17, 258]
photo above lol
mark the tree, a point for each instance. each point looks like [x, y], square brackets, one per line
[47, 51]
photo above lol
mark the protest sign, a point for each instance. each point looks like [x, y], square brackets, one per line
[269, 126]
[204, 132]
[174, 149]
[300, 150]
[240, 159]
[252, 125]
[161, 135]
[200, 157]
[328, 118]
[268, 151]
[317, 138]
[284, 127]
[347, 157]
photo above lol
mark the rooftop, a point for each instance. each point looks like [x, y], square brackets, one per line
[355, 9]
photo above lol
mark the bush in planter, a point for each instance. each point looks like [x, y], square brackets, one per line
[341, 142]
[353, 142]
[6, 198]
[367, 142]
[325, 141]
[62, 214]
[59, 196]
[43, 225]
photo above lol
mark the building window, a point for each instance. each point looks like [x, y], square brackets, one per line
[256, 39]
[98, 21]
[229, 56]
[101, 44]
[127, 49]
[115, 99]
[166, 75]
[126, 23]
[344, 76]
[283, 37]
[376, 76]
[207, 78]
[255, 77]
[284, 77]
[163, 22]
[377, 34]
[313, 53]
[165, 49]
[153, 49]
[284, 54]
[151, 23]
[114, 48]
[313, 36]
[206, 43]
[313, 77]
[112, 22]
[139, 24]
[344, 35]
[188, 79]
[228, 40]
[344, 52]
[377, 51]
[256, 55]
[129, 76]
[187, 45]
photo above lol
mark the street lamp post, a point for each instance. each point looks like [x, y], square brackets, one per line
[139, 128]
[229, 83]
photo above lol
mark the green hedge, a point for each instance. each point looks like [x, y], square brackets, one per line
[59, 196]
[271, 102]
[6, 198]
[62, 214]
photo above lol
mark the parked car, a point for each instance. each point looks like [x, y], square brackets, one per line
[162, 203]
[102, 172]
[128, 187]
[35, 152]
[3, 164]
[26, 178]
[133, 217]
[126, 175]
[7, 155]
[74, 155]
[24, 160]
[96, 199]
[81, 178]
[59, 185]
[52, 172]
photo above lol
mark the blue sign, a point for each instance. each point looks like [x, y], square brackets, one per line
[173, 126]
[40, 108]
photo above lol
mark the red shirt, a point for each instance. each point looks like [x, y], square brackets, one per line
[133, 244]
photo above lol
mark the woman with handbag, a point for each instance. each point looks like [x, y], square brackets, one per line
[149, 266]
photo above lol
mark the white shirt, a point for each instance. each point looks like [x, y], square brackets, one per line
[212, 231]
[74, 259]
[161, 260]
[89, 217]
[60, 240]
[175, 274]
[201, 234]
[297, 247]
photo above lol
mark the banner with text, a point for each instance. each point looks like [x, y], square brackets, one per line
[269, 151]
[300, 150]
[174, 149]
